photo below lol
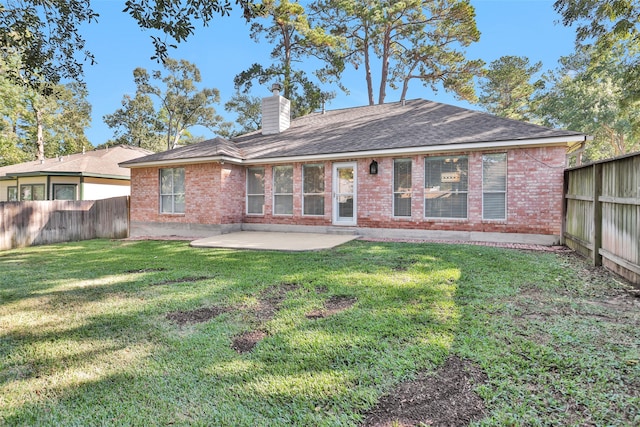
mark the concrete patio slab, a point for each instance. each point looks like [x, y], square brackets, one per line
[273, 241]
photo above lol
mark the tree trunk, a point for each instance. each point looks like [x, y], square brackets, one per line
[621, 148]
[367, 65]
[176, 139]
[40, 137]
[286, 42]
[405, 88]
[384, 75]
[405, 82]
[616, 141]
[169, 131]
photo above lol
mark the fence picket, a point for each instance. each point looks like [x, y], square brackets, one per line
[618, 212]
[43, 222]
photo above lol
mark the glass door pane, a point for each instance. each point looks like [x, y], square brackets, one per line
[344, 194]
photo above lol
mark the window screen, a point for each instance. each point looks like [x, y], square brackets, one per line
[283, 190]
[64, 192]
[172, 190]
[313, 190]
[12, 194]
[255, 191]
[402, 187]
[32, 192]
[494, 186]
[446, 186]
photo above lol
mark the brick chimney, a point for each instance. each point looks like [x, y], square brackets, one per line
[275, 112]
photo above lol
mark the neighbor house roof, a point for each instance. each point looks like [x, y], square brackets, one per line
[412, 127]
[97, 163]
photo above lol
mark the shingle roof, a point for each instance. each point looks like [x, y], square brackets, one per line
[414, 124]
[104, 162]
[216, 147]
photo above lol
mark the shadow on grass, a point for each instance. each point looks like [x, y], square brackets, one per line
[305, 372]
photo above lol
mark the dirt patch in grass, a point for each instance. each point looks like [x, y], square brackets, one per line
[403, 264]
[244, 343]
[199, 315]
[181, 280]
[627, 300]
[445, 398]
[598, 293]
[333, 305]
[146, 270]
[270, 301]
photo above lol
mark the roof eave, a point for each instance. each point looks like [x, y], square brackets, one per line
[11, 176]
[189, 160]
[106, 176]
[475, 146]
[41, 173]
[472, 146]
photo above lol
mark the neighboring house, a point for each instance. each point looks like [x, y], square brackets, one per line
[418, 169]
[91, 175]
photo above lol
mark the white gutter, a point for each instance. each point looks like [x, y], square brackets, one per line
[192, 160]
[471, 146]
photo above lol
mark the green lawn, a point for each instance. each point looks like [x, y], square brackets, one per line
[86, 340]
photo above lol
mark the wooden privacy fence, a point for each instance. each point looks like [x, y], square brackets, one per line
[43, 222]
[602, 214]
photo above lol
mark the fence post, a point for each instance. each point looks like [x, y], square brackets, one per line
[596, 258]
[565, 207]
[128, 216]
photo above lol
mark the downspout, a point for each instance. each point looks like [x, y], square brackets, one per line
[81, 188]
[47, 196]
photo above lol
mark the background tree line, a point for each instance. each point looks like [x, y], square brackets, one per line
[43, 108]
[595, 90]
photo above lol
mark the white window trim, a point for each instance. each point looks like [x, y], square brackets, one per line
[506, 188]
[273, 186]
[409, 192]
[312, 194]
[253, 194]
[173, 193]
[424, 194]
[336, 219]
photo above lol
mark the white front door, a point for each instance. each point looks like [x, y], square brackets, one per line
[344, 194]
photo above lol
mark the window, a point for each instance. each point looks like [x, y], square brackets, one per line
[283, 190]
[172, 191]
[64, 192]
[402, 187]
[32, 192]
[445, 186]
[494, 186]
[12, 194]
[313, 190]
[255, 191]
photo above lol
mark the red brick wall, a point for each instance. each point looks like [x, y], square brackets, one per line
[231, 194]
[145, 194]
[216, 195]
[534, 195]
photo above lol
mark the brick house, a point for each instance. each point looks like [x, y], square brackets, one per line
[417, 169]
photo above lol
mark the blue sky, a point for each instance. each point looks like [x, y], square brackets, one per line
[223, 49]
